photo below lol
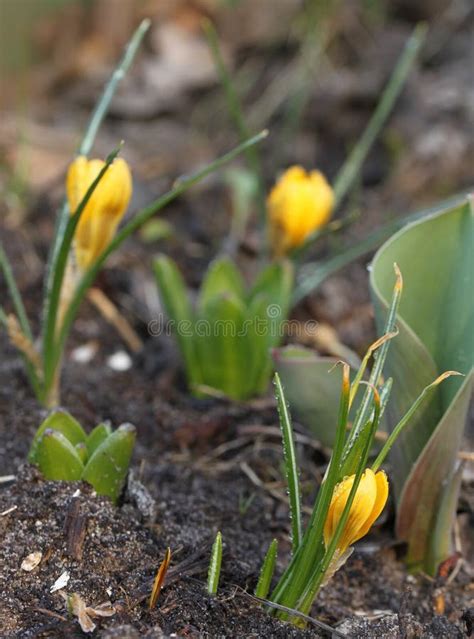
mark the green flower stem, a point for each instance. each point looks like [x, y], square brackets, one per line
[140, 218]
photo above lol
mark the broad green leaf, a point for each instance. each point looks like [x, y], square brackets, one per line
[262, 336]
[107, 468]
[312, 389]
[97, 436]
[174, 297]
[435, 321]
[57, 458]
[81, 450]
[221, 278]
[425, 508]
[275, 282]
[223, 346]
[61, 422]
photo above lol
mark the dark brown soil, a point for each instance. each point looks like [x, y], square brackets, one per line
[183, 490]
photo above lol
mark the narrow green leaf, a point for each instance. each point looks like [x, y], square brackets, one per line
[57, 458]
[175, 300]
[236, 111]
[98, 435]
[62, 422]
[18, 305]
[108, 465]
[351, 168]
[291, 466]
[214, 571]
[266, 573]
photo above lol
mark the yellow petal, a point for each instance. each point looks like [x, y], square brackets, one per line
[105, 208]
[76, 182]
[380, 501]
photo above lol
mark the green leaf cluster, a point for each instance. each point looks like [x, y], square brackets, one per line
[225, 338]
[63, 451]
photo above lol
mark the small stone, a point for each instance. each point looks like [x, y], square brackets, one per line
[119, 361]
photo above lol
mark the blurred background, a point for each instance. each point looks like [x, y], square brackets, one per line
[311, 71]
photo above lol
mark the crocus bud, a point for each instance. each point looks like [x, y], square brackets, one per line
[369, 501]
[299, 204]
[104, 210]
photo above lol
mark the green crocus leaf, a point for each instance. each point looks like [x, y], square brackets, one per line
[174, 297]
[223, 346]
[222, 278]
[108, 465]
[97, 436]
[57, 458]
[435, 322]
[259, 332]
[61, 422]
[276, 283]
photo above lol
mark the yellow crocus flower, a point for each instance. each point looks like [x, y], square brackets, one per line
[369, 501]
[298, 204]
[105, 208]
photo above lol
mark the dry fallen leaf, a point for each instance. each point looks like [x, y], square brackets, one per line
[84, 613]
[32, 560]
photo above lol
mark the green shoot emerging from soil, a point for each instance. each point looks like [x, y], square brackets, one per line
[226, 338]
[214, 572]
[62, 451]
